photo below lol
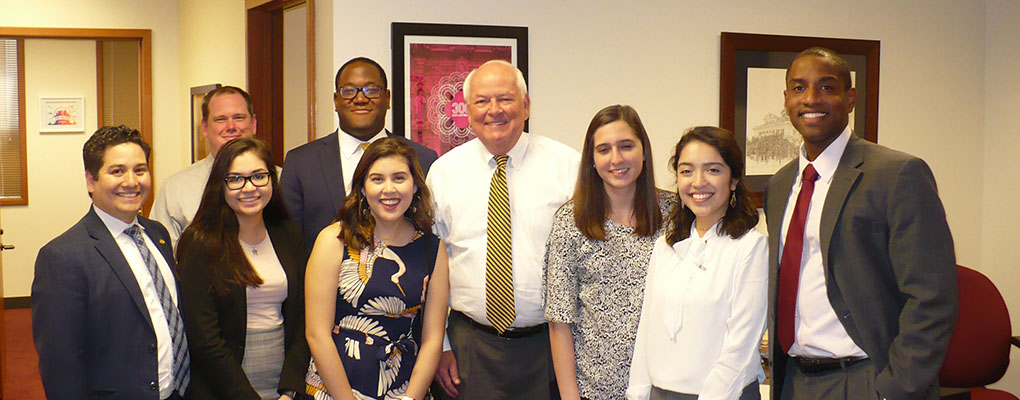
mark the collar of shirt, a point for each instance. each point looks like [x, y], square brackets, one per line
[516, 153]
[349, 143]
[826, 163]
[115, 225]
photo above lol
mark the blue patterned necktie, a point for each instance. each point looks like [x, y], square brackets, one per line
[182, 360]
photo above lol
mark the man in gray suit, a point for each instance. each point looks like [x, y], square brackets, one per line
[315, 178]
[862, 270]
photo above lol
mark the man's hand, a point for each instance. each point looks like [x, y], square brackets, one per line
[447, 374]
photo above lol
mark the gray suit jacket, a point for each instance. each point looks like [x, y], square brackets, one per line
[889, 264]
[89, 320]
[313, 185]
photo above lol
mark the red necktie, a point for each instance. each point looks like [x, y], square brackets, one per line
[789, 266]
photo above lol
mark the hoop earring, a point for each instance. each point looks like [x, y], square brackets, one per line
[733, 199]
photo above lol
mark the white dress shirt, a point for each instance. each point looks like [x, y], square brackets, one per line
[703, 316]
[350, 154]
[178, 197]
[540, 177]
[819, 333]
[164, 345]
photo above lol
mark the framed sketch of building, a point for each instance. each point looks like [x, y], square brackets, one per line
[752, 80]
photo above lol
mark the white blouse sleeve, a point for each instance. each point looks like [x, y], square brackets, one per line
[739, 357]
[640, 385]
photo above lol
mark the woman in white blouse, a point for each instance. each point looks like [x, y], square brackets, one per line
[705, 297]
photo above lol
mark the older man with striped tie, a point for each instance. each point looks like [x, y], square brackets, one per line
[495, 197]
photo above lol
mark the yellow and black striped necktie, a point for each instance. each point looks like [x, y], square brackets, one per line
[499, 274]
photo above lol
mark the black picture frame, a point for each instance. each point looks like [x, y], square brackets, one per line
[402, 31]
[740, 51]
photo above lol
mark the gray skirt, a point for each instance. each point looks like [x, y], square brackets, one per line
[750, 392]
[263, 360]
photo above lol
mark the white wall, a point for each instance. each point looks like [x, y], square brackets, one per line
[663, 59]
[1001, 216]
[59, 157]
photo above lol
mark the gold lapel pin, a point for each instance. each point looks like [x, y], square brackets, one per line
[161, 241]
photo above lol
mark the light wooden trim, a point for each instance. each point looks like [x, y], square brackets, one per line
[310, 65]
[74, 33]
[250, 4]
[144, 36]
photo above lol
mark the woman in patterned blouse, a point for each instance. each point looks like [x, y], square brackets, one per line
[377, 285]
[597, 256]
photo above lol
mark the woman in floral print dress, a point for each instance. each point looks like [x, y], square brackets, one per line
[371, 278]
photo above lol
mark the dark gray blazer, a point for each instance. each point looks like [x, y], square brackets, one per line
[889, 264]
[313, 185]
[89, 320]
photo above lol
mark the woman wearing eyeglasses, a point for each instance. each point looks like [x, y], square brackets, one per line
[242, 283]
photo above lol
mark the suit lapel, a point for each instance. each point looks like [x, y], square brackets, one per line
[108, 248]
[329, 164]
[847, 174]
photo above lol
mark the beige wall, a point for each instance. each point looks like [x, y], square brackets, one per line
[295, 77]
[1001, 214]
[57, 196]
[56, 180]
[211, 48]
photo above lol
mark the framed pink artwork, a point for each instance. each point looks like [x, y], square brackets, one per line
[430, 63]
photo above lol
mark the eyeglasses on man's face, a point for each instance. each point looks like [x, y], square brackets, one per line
[236, 182]
[370, 91]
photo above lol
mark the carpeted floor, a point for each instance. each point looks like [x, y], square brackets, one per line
[21, 364]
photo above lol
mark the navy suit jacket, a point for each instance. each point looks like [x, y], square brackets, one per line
[89, 320]
[890, 269]
[313, 185]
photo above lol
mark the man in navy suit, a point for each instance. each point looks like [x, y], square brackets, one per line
[104, 298]
[316, 176]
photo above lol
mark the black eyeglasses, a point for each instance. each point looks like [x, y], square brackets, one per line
[235, 182]
[370, 91]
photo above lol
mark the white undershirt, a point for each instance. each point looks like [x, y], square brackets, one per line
[265, 303]
[818, 330]
[164, 345]
[350, 154]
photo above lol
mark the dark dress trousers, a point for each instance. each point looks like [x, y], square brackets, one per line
[89, 320]
[217, 325]
[889, 265]
[313, 185]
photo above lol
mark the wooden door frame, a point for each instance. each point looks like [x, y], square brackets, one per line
[144, 36]
[265, 67]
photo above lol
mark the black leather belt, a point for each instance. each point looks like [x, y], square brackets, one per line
[512, 333]
[819, 365]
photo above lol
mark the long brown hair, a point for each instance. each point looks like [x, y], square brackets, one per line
[591, 204]
[214, 229]
[740, 216]
[356, 221]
